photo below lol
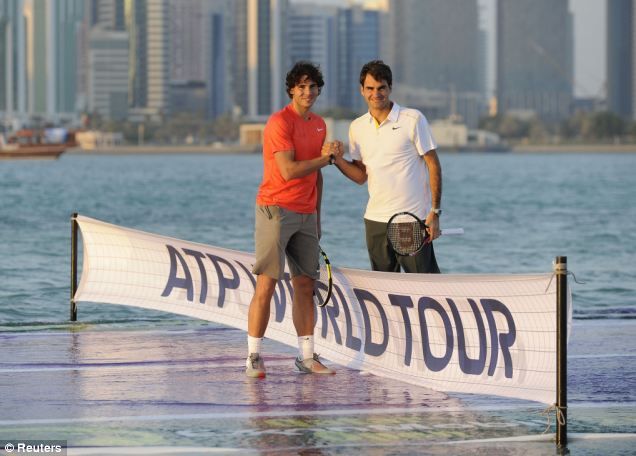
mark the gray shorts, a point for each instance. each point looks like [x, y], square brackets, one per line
[283, 233]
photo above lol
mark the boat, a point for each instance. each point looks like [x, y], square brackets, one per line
[34, 144]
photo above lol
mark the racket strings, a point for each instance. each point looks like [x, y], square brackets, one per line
[406, 235]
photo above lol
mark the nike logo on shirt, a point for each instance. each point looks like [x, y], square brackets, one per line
[395, 128]
[319, 129]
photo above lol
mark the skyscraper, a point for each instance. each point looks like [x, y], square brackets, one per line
[12, 60]
[38, 42]
[67, 17]
[187, 40]
[435, 48]
[312, 37]
[260, 58]
[358, 35]
[621, 73]
[109, 14]
[437, 44]
[149, 34]
[218, 35]
[107, 59]
[535, 70]
[340, 40]
[200, 38]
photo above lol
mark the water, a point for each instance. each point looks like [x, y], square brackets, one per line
[519, 212]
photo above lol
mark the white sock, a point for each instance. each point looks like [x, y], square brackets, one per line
[254, 344]
[306, 347]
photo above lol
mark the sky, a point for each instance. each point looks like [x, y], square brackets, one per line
[589, 42]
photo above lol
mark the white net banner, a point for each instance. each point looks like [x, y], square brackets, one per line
[485, 334]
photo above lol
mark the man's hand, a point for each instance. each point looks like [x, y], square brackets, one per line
[339, 149]
[328, 149]
[432, 226]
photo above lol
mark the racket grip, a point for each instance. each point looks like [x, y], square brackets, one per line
[453, 231]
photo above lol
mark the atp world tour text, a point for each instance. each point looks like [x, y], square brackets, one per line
[415, 312]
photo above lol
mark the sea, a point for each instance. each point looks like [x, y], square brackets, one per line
[122, 379]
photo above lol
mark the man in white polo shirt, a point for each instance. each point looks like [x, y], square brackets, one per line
[392, 147]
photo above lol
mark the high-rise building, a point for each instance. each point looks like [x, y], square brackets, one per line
[358, 35]
[436, 51]
[535, 70]
[312, 37]
[66, 19]
[102, 60]
[109, 14]
[108, 65]
[12, 60]
[219, 57]
[438, 44]
[149, 37]
[340, 40]
[38, 43]
[187, 40]
[621, 73]
[260, 58]
[200, 49]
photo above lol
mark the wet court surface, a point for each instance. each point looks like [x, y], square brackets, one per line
[185, 392]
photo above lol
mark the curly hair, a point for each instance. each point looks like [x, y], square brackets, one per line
[300, 69]
[379, 70]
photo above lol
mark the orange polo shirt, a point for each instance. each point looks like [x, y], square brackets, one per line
[286, 130]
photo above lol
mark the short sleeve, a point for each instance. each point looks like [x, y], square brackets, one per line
[354, 147]
[279, 134]
[423, 138]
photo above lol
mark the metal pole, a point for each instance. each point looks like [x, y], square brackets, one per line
[561, 270]
[74, 227]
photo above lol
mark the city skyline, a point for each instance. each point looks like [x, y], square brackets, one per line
[589, 42]
[137, 59]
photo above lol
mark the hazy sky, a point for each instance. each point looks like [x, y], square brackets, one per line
[589, 42]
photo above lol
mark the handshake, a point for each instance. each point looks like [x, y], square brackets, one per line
[334, 150]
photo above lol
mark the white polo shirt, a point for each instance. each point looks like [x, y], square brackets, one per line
[392, 153]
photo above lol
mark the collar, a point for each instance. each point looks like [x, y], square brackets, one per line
[293, 112]
[393, 115]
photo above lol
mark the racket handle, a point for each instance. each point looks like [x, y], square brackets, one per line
[452, 231]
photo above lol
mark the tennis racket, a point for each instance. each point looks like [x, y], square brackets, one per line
[407, 234]
[324, 285]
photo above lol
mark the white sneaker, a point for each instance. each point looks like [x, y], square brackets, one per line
[255, 366]
[313, 366]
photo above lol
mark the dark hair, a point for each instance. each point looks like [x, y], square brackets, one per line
[379, 70]
[300, 69]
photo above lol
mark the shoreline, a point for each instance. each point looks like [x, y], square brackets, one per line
[168, 149]
[256, 149]
[574, 148]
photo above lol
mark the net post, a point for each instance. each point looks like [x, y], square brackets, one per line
[74, 228]
[561, 271]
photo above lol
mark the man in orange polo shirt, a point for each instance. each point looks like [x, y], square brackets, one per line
[288, 216]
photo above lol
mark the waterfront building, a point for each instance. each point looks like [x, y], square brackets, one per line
[621, 74]
[149, 57]
[38, 42]
[260, 59]
[437, 49]
[535, 69]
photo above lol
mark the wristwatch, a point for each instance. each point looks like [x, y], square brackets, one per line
[437, 211]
